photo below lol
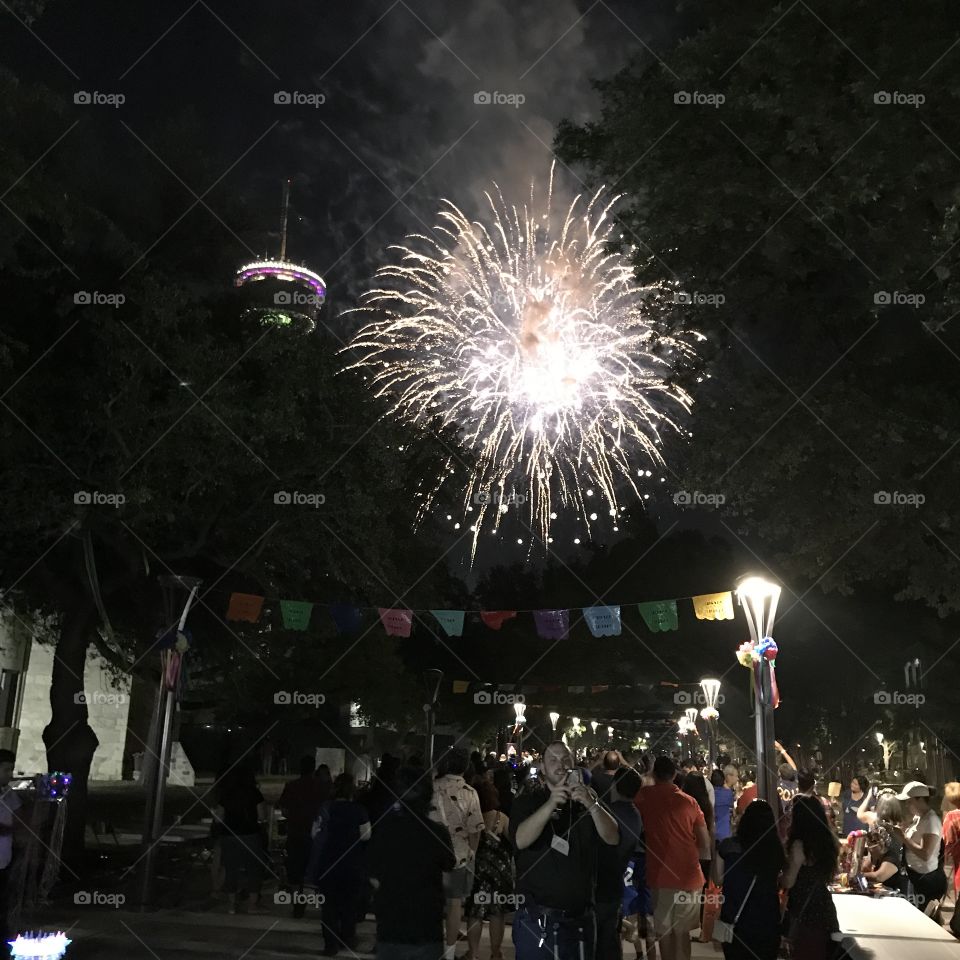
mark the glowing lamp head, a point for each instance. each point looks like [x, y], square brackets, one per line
[711, 691]
[757, 589]
[520, 710]
[594, 725]
[576, 722]
[554, 717]
[610, 732]
[692, 713]
[879, 736]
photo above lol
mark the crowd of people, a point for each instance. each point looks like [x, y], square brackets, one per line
[585, 858]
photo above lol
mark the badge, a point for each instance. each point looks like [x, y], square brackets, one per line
[560, 845]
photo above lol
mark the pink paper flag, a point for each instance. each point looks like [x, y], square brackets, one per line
[397, 623]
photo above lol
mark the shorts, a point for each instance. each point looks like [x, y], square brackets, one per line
[675, 911]
[458, 884]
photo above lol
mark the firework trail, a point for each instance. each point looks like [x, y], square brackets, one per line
[538, 345]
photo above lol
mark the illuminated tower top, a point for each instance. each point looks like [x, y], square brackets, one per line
[281, 292]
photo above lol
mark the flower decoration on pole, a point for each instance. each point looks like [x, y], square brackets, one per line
[759, 598]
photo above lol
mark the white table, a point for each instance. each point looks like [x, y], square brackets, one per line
[890, 927]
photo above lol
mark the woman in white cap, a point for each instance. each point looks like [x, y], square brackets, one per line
[921, 843]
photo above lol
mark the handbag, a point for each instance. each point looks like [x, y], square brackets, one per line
[723, 931]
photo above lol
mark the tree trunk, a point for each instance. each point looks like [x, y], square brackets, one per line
[69, 740]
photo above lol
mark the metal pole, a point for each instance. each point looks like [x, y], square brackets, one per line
[766, 750]
[153, 778]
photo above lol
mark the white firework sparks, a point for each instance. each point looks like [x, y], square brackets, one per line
[538, 345]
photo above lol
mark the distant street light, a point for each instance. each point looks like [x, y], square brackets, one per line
[554, 717]
[759, 599]
[520, 710]
[710, 715]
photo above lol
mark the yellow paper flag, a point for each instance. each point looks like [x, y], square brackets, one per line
[714, 606]
[461, 686]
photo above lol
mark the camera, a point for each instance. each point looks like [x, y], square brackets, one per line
[574, 778]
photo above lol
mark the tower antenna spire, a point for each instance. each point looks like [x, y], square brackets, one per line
[283, 219]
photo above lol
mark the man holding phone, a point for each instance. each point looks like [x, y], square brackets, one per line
[556, 832]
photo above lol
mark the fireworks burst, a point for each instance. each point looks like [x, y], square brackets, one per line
[538, 345]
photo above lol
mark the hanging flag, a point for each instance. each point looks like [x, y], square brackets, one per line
[296, 614]
[529, 689]
[506, 687]
[396, 622]
[551, 688]
[603, 621]
[495, 619]
[599, 688]
[451, 621]
[659, 615]
[714, 606]
[552, 624]
[245, 606]
[346, 616]
[461, 686]
[575, 689]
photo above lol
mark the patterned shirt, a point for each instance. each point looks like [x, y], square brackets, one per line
[458, 809]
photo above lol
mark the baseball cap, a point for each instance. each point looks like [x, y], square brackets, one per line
[914, 789]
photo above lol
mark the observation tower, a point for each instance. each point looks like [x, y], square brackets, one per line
[281, 292]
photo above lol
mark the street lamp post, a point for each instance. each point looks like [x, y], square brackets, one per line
[432, 680]
[759, 599]
[576, 737]
[691, 714]
[174, 644]
[520, 710]
[554, 717]
[710, 715]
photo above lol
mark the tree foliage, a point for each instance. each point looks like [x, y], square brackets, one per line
[819, 200]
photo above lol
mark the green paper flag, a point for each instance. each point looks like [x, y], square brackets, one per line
[296, 614]
[659, 615]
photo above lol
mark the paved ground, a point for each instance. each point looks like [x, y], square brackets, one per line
[180, 935]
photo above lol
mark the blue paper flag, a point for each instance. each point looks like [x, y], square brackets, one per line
[346, 616]
[451, 621]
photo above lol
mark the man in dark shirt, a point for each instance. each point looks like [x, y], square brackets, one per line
[406, 860]
[612, 863]
[556, 833]
[601, 776]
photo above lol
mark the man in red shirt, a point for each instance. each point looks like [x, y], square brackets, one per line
[677, 840]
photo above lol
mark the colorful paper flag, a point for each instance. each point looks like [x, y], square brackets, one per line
[347, 617]
[599, 688]
[575, 689]
[552, 624]
[396, 622]
[451, 621]
[245, 606]
[296, 614]
[495, 619]
[603, 621]
[659, 615]
[461, 686]
[714, 606]
[506, 687]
